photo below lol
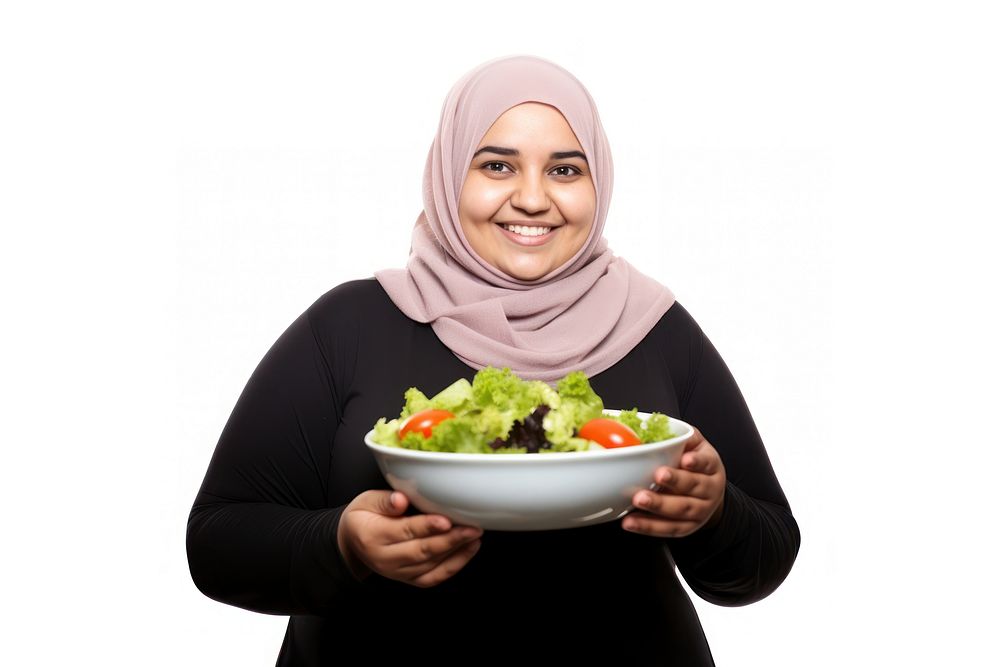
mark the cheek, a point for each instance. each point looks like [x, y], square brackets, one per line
[480, 201]
[579, 205]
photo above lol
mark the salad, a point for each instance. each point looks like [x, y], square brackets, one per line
[500, 413]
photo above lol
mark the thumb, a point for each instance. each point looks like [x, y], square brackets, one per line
[694, 441]
[395, 503]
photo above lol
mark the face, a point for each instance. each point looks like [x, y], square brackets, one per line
[528, 171]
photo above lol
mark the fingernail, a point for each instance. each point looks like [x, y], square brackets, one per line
[644, 499]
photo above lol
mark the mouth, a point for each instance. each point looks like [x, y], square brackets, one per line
[528, 235]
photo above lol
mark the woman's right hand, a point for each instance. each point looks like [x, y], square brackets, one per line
[421, 550]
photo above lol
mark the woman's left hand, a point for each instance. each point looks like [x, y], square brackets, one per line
[690, 497]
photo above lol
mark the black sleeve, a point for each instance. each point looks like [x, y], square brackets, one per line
[260, 535]
[749, 552]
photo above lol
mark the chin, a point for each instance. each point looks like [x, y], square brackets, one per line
[522, 275]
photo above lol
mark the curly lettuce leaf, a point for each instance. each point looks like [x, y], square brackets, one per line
[578, 404]
[454, 435]
[577, 394]
[630, 418]
[455, 398]
[655, 428]
[500, 398]
[488, 408]
[387, 432]
[415, 402]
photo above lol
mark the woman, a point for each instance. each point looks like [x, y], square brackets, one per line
[507, 267]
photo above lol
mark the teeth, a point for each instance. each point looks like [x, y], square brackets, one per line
[527, 231]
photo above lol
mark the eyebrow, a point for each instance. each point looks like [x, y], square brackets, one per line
[558, 155]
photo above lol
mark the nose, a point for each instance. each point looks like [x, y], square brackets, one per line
[530, 194]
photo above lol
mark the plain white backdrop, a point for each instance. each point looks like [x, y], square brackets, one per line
[815, 182]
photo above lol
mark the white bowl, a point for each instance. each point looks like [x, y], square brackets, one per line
[529, 491]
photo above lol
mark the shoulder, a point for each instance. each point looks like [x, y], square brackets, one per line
[361, 293]
[678, 315]
[350, 293]
[351, 302]
[677, 328]
[353, 321]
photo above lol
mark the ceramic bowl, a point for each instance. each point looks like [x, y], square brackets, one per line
[529, 491]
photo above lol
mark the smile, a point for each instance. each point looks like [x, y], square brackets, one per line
[533, 236]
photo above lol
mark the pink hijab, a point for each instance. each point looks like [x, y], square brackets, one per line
[584, 315]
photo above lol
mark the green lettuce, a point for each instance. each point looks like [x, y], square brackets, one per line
[488, 408]
[654, 429]
[578, 404]
[630, 418]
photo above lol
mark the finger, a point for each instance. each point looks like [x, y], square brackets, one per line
[694, 441]
[677, 508]
[387, 503]
[410, 567]
[431, 548]
[396, 503]
[704, 460]
[683, 482]
[448, 566]
[646, 524]
[395, 530]
[417, 524]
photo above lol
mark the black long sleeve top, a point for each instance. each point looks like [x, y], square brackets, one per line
[261, 534]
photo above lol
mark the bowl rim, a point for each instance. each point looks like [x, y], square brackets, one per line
[634, 450]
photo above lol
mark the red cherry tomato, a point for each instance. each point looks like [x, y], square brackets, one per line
[424, 421]
[609, 433]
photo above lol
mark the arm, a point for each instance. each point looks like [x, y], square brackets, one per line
[746, 554]
[260, 535]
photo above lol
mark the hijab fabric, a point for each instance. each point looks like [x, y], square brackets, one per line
[584, 315]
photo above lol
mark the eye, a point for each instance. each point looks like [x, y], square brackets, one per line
[566, 166]
[573, 170]
[495, 171]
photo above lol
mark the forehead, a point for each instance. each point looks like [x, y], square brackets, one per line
[531, 124]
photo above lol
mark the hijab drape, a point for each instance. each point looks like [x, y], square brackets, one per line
[584, 315]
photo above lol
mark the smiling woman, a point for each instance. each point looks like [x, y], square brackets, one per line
[532, 211]
[508, 267]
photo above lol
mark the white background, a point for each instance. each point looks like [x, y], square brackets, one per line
[817, 185]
